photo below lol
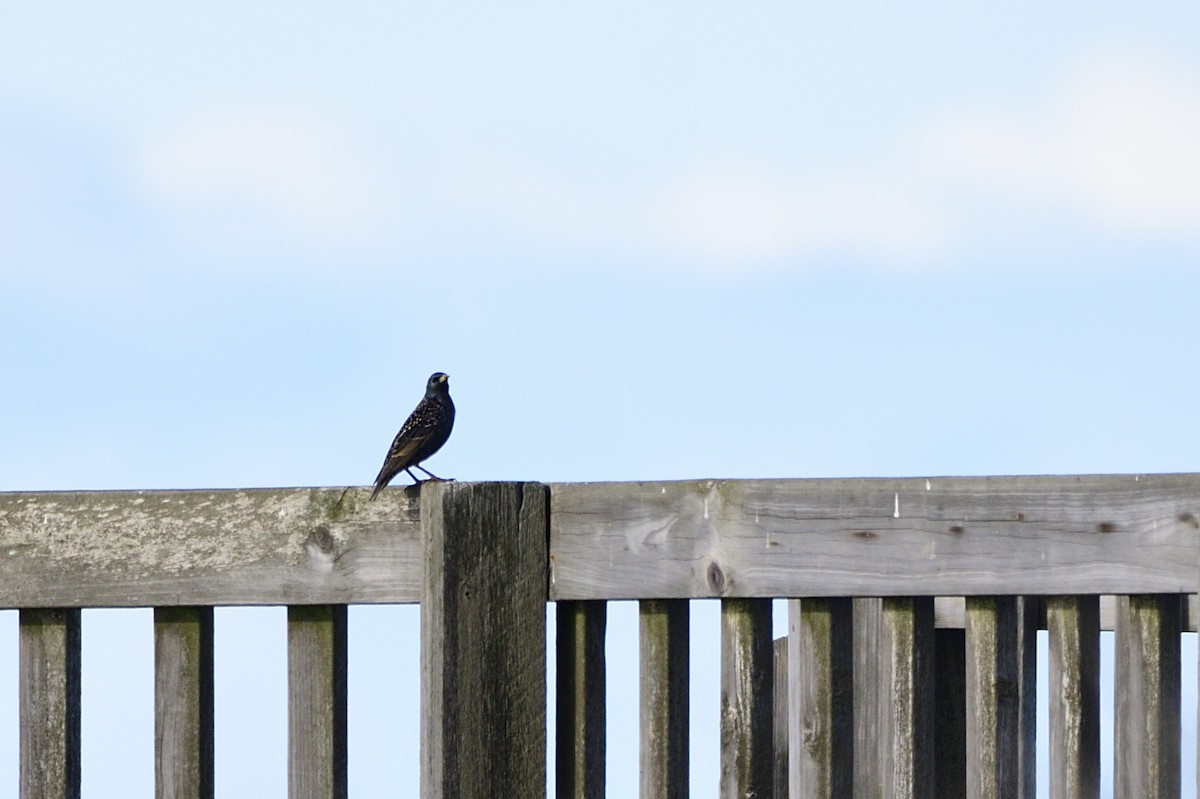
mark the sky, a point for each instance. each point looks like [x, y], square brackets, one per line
[646, 241]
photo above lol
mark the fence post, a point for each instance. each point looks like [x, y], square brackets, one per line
[483, 640]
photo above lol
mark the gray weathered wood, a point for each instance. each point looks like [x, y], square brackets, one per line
[820, 679]
[290, 546]
[581, 744]
[1000, 683]
[1147, 720]
[664, 698]
[779, 765]
[867, 696]
[49, 703]
[183, 703]
[950, 713]
[317, 701]
[876, 537]
[1073, 624]
[906, 691]
[950, 612]
[483, 640]
[747, 701]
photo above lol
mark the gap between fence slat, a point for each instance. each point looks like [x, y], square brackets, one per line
[49, 702]
[183, 702]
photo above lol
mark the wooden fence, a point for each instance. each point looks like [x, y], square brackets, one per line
[889, 684]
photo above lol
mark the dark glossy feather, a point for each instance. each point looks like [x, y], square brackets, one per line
[423, 433]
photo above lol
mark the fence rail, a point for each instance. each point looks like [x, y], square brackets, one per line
[908, 669]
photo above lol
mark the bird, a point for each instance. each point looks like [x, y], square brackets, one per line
[423, 433]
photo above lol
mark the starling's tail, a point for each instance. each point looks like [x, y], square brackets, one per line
[378, 488]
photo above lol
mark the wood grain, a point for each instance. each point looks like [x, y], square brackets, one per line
[906, 647]
[183, 702]
[483, 640]
[1073, 624]
[317, 660]
[999, 681]
[231, 547]
[49, 702]
[820, 684]
[664, 628]
[1147, 719]
[876, 537]
[580, 749]
[747, 699]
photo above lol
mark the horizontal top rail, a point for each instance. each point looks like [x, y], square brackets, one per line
[945, 536]
[219, 547]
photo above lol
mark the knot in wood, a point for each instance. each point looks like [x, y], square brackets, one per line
[716, 578]
[322, 538]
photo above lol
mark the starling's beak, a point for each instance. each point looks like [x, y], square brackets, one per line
[443, 378]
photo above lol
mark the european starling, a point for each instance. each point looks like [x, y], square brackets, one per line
[423, 434]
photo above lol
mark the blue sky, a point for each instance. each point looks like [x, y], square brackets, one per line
[645, 242]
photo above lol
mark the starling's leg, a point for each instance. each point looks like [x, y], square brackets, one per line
[413, 476]
[431, 474]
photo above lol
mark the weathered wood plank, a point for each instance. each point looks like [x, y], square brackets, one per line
[231, 547]
[950, 713]
[779, 764]
[49, 702]
[317, 650]
[867, 696]
[876, 537]
[580, 748]
[820, 680]
[483, 640]
[664, 698]
[907, 740]
[1001, 685]
[747, 699]
[1073, 624]
[183, 702]
[1147, 721]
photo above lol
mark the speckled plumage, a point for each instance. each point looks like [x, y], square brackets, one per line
[423, 434]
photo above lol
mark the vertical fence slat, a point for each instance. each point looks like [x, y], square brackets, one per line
[580, 748]
[821, 697]
[1073, 624]
[664, 632]
[868, 705]
[317, 701]
[483, 640]
[1147, 721]
[999, 682]
[906, 646]
[183, 702]
[747, 701]
[49, 697]
[779, 764]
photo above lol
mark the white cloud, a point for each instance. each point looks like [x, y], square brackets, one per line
[288, 167]
[1114, 141]
[738, 214]
[1111, 143]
